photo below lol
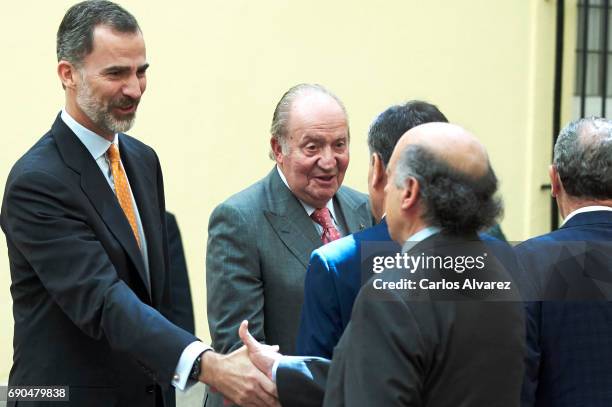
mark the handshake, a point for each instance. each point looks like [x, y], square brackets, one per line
[244, 377]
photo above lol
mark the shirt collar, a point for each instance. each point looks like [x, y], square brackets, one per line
[584, 209]
[419, 237]
[308, 208]
[95, 144]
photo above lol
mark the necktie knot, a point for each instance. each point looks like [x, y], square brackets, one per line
[113, 153]
[323, 218]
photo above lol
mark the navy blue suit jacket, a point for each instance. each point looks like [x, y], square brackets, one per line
[86, 313]
[569, 339]
[335, 275]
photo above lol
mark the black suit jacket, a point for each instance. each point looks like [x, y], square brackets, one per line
[182, 305]
[421, 348]
[85, 316]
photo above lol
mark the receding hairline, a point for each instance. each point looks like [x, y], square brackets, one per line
[448, 147]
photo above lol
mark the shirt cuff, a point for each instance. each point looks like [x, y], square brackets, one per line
[274, 368]
[185, 363]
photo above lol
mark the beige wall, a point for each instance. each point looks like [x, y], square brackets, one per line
[218, 68]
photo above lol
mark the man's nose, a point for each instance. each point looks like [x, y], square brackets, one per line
[133, 87]
[328, 159]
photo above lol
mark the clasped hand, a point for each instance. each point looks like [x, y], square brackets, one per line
[244, 377]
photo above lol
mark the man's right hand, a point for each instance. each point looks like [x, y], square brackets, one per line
[262, 356]
[238, 380]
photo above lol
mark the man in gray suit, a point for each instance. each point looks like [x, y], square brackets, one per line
[260, 240]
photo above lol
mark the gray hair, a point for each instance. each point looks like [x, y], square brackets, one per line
[452, 200]
[75, 33]
[583, 158]
[280, 118]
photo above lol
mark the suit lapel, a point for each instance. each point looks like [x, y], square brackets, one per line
[100, 194]
[355, 214]
[289, 219]
[144, 190]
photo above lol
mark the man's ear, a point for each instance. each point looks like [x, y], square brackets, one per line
[277, 150]
[379, 176]
[67, 74]
[555, 181]
[410, 194]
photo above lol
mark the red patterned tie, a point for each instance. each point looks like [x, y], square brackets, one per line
[323, 218]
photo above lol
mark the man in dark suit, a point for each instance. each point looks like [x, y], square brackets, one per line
[84, 217]
[182, 305]
[569, 332]
[430, 345]
[260, 240]
[337, 270]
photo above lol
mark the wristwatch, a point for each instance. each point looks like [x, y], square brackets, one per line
[196, 369]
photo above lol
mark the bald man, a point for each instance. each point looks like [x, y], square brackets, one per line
[426, 335]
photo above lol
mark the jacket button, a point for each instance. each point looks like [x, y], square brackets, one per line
[150, 389]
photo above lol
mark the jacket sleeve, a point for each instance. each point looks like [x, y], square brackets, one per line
[301, 382]
[320, 325]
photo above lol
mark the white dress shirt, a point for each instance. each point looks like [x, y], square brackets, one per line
[419, 237]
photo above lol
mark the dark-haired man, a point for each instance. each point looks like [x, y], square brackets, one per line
[423, 346]
[337, 270]
[569, 333]
[84, 217]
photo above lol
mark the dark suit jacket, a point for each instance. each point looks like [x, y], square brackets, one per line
[411, 348]
[570, 334]
[85, 316]
[182, 305]
[259, 243]
[335, 275]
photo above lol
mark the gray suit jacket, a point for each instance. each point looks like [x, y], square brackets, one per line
[259, 244]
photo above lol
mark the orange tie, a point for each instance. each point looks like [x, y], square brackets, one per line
[122, 190]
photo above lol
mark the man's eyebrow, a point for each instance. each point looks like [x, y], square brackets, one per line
[115, 68]
[311, 137]
[123, 68]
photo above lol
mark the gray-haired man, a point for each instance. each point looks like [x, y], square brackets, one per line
[260, 240]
